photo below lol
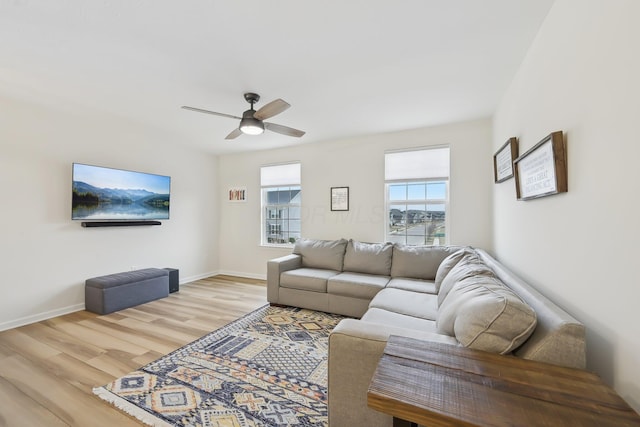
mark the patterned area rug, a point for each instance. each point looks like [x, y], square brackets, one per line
[268, 368]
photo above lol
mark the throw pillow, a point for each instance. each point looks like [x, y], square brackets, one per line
[484, 314]
[419, 262]
[326, 254]
[469, 265]
[448, 263]
[368, 258]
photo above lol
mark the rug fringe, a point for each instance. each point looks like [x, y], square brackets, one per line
[130, 408]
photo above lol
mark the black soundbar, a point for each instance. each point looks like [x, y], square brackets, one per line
[118, 223]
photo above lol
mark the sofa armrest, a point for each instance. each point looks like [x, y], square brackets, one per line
[355, 347]
[277, 266]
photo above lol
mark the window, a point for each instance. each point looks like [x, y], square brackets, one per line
[281, 195]
[274, 229]
[417, 196]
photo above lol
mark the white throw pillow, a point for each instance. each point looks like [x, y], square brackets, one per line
[483, 313]
[470, 265]
[448, 263]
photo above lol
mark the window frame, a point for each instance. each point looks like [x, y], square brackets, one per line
[271, 214]
[407, 202]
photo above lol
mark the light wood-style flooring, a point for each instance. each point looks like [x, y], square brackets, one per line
[48, 369]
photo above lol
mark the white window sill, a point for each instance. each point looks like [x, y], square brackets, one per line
[267, 245]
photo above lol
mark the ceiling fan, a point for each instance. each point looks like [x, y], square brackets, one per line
[253, 122]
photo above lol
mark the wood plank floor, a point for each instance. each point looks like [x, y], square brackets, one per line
[48, 369]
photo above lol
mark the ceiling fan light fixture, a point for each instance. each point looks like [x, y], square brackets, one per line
[252, 128]
[253, 122]
[250, 125]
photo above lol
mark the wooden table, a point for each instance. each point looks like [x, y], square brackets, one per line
[443, 385]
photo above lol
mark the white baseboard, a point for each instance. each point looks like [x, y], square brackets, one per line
[79, 307]
[184, 280]
[241, 274]
[38, 317]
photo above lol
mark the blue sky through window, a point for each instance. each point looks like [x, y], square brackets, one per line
[418, 191]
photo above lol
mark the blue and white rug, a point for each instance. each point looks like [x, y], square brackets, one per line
[268, 368]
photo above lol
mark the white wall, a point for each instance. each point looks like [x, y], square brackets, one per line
[580, 248]
[357, 163]
[45, 256]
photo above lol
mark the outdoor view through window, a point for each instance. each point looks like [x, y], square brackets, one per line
[282, 214]
[281, 203]
[417, 212]
[417, 196]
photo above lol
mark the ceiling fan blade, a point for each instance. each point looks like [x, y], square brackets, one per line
[285, 130]
[234, 134]
[200, 110]
[271, 109]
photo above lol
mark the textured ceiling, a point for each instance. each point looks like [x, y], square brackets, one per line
[347, 67]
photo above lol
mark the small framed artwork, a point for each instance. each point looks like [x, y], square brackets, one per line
[503, 160]
[339, 198]
[238, 194]
[542, 170]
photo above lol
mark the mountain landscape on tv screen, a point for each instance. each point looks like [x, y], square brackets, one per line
[90, 202]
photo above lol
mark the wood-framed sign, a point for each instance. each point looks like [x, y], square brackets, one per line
[503, 160]
[542, 170]
[339, 198]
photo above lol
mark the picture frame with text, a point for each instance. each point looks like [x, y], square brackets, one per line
[542, 170]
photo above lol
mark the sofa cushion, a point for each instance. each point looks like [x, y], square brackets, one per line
[368, 258]
[413, 285]
[416, 304]
[327, 254]
[469, 266]
[356, 285]
[307, 279]
[447, 264]
[483, 313]
[390, 318]
[418, 262]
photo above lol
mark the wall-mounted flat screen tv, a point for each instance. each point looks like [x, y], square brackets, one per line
[107, 194]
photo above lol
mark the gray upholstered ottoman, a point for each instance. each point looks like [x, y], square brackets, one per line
[106, 294]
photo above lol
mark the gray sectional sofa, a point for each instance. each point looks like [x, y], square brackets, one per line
[450, 294]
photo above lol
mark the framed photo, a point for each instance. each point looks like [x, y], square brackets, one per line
[339, 198]
[503, 160]
[542, 170]
[238, 194]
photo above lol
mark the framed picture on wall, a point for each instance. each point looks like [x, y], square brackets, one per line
[503, 160]
[542, 170]
[339, 198]
[238, 194]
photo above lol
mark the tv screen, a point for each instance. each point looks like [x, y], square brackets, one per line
[101, 193]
